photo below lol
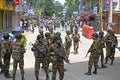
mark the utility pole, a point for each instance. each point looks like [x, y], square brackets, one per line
[101, 21]
[110, 14]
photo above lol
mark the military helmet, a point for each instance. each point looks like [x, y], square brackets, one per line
[40, 31]
[56, 37]
[58, 33]
[76, 29]
[39, 37]
[18, 36]
[101, 33]
[47, 34]
[68, 31]
[6, 36]
[95, 35]
[109, 30]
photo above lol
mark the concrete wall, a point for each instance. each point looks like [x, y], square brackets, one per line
[15, 19]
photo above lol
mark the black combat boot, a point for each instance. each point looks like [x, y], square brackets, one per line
[23, 77]
[47, 77]
[102, 65]
[111, 62]
[88, 73]
[8, 75]
[1, 71]
[95, 72]
[106, 59]
[37, 78]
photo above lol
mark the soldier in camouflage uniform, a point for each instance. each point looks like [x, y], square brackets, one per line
[41, 32]
[57, 53]
[93, 59]
[102, 45]
[111, 44]
[76, 39]
[1, 64]
[6, 54]
[39, 57]
[68, 43]
[18, 50]
[47, 41]
[52, 33]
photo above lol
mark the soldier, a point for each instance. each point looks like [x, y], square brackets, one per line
[47, 40]
[1, 64]
[40, 57]
[76, 39]
[112, 43]
[93, 59]
[41, 32]
[18, 50]
[6, 54]
[57, 53]
[52, 33]
[68, 43]
[102, 45]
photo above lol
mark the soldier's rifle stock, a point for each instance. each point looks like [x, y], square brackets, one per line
[37, 49]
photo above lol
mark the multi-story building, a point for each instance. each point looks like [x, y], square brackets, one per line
[9, 18]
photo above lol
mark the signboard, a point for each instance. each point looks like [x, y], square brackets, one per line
[17, 8]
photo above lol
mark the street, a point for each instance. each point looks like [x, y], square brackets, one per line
[76, 70]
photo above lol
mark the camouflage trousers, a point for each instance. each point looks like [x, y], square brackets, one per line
[1, 65]
[76, 46]
[101, 56]
[21, 66]
[6, 60]
[37, 65]
[60, 67]
[67, 52]
[93, 60]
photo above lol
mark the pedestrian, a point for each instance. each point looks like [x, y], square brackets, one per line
[6, 54]
[68, 43]
[57, 53]
[18, 50]
[76, 39]
[40, 57]
[102, 45]
[93, 59]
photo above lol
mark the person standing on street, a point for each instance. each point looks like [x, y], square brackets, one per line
[6, 54]
[40, 56]
[68, 43]
[57, 53]
[76, 39]
[18, 50]
[93, 59]
[102, 45]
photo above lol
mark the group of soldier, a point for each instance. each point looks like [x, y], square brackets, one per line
[16, 49]
[49, 48]
[110, 42]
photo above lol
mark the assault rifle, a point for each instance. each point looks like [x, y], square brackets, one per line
[67, 61]
[37, 49]
[113, 44]
[86, 54]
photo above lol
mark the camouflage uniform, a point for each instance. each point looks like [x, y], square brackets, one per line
[57, 62]
[18, 50]
[102, 45]
[6, 54]
[68, 43]
[111, 44]
[93, 59]
[39, 58]
[76, 39]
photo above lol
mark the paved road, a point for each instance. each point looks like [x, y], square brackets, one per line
[76, 70]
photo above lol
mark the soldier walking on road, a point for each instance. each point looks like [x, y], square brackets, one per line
[57, 53]
[6, 54]
[18, 50]
[39, 57]
[93, 59]
[111, 44]
[102, 45]
[76, 39]
[68, 43]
